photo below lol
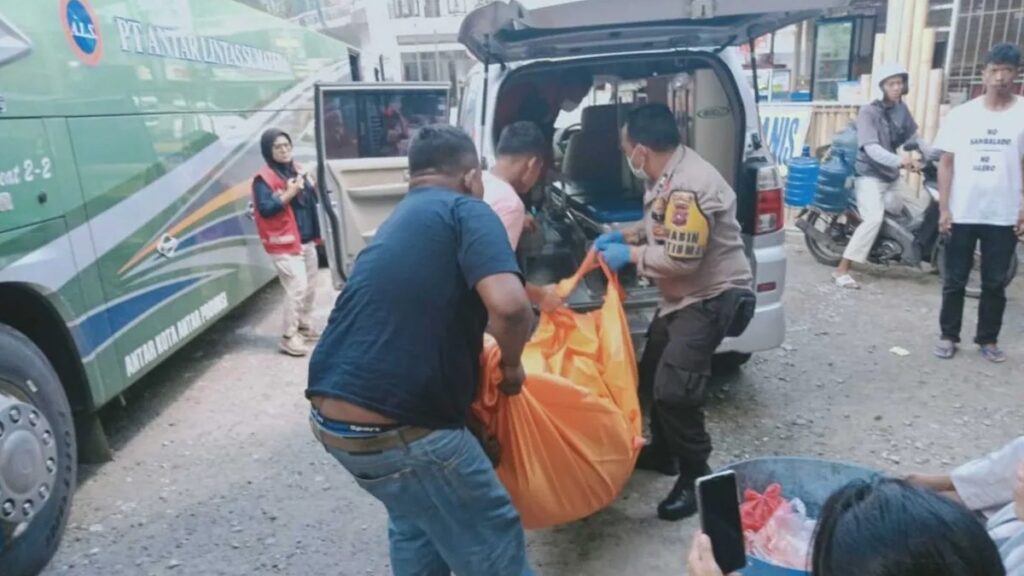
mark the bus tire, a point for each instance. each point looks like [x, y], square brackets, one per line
[28, 375]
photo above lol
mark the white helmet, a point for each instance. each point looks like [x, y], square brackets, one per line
[886, 71]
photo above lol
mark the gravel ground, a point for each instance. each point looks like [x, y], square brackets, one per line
[215, 471]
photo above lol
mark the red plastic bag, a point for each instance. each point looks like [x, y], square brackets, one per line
[786, 538]
[568, 443]
[757, 509]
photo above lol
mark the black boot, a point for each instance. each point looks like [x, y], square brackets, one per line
[655, 458]
[681, 501]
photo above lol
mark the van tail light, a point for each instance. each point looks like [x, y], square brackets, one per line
[770, 216]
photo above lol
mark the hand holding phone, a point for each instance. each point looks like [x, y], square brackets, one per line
[719, 506]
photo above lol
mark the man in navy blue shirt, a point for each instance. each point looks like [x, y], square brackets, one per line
[395, 372]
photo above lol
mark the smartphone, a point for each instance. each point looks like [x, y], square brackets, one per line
[718, 503]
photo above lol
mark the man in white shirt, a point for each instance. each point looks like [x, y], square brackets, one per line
[981, 184]
[518, 167]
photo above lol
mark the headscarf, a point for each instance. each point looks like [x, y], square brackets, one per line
[285, 171]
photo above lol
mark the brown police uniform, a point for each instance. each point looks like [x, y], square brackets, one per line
[692, 248]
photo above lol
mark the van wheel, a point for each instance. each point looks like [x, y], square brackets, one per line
[37, 456]
[728, 362]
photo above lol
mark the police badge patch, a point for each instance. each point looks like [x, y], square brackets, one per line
[686, 226]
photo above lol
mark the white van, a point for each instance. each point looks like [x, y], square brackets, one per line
[679, 52]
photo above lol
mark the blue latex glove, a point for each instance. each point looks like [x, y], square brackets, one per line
[616, 255]
[613, 237]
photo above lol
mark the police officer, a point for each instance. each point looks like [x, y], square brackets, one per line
[690, 245]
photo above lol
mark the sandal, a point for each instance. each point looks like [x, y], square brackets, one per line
[945, 349]
[846, 281]
[993, 353]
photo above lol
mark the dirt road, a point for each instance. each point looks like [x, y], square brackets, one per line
[216, 472]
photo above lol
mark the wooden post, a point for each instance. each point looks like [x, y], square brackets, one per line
[907, 31]
[931, 113]
[917, 48]
[921, 73]
[892, 31]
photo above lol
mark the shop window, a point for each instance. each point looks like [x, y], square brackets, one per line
[404, 8]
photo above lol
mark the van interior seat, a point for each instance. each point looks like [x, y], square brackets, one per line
[595, 168]
[592, 156]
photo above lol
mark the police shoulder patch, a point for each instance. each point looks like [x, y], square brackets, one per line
[686, 227]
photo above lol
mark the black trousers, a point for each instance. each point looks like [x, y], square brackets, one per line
[998, 244]
[676, 366]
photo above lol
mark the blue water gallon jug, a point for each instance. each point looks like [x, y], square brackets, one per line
[845, 142]
[802, 179]
[834, 182]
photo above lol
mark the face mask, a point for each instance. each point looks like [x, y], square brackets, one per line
[568, 105]
[637, 171]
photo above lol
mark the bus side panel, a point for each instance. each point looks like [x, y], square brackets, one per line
[32, 257]
[167, 202]
[86, 285]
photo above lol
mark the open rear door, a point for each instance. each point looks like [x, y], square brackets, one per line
[506, 31]
[363, 133]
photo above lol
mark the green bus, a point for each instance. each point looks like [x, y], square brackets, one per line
[129, 134]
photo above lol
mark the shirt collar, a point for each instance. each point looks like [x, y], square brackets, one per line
[658, 186]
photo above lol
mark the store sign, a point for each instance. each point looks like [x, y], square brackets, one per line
[784, 128]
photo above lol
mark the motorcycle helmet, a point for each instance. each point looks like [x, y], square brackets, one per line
[886, 71]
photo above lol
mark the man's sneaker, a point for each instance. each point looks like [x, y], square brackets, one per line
[309, 333]
[294, 346]
[993, 353]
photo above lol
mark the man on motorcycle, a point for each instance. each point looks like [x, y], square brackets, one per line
[883, 127]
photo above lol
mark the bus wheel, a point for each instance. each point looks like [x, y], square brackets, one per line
[37, 456]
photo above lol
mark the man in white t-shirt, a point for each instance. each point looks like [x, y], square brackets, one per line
[519, 165]
[981, 185]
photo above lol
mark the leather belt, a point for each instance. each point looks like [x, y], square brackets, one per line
[384, 441]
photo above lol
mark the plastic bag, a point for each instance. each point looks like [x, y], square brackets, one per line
[786, 538]
[757, 509]
[568, 443]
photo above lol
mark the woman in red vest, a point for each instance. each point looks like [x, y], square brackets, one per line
[286, 219]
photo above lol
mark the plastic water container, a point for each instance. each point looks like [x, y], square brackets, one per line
[834, 182]
[802, 179]
[845, 142]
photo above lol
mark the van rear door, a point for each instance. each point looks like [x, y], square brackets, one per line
[505, 31]
[363, 133]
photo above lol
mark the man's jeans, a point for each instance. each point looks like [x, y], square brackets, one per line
[447, 510]
[998, 244]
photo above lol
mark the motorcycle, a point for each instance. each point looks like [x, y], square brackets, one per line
[905, 238]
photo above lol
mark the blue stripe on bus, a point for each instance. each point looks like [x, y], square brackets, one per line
[102, 325]
[227, 228]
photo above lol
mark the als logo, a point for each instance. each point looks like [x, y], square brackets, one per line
[82, 29]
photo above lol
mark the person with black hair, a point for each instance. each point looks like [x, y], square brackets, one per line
[519, 165]
[981, 186]
[284, 201]
[690, 245]
[887, 527]
[393, 377]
